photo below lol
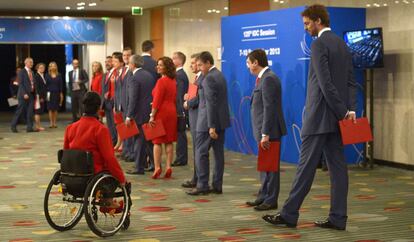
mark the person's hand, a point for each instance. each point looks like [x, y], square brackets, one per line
[127, 122]
[265, 143]
[213, 134]
[106, 95]
[151, 122]
[351, 116]
[185, 105]
[186, 96]
[60, 104]
[26, 96]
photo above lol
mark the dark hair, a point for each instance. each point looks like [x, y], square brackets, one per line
[315, 12]
[206, 56]
[196, 56]
[109, 57]
[91, 103]
[147, 45]
[127, 49]
[169, 66]
[118, 55]
[40, 64]
[181, 56]
[260, 56]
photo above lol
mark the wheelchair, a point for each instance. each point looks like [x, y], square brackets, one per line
[75, 190]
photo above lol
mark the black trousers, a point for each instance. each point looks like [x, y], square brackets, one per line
[77, 107]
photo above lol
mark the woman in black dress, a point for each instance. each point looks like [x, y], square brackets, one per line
[54, 84]
[41, 90]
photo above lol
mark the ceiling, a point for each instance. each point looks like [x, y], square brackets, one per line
[60, 5]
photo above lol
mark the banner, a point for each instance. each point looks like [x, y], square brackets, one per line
[52, 31]
[281, 34]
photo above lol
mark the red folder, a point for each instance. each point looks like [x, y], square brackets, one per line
[118, 118]
[125, 132]
[192, 91]
[151, 133]
[101, 113]
[353, 133]
[268, 160]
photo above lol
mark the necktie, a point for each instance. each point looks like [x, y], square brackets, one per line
[257, 81]
[31, 79]
[195, 80]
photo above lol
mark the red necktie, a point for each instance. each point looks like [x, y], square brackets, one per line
[257, 81]
[31, 79]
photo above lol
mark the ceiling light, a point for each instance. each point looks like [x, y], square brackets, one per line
[397, 1]
[55, 17]
[385, 5]
[80, 8]
[282, 2]
[37, 17]
[276, 1]
[66, 17]
[27, 17]
[406, 2]
[226, 8]
[368, 5]
[92, 4]
[213, 10]
[67, 8]
[209, 11]
[81, 4]
[217, 11]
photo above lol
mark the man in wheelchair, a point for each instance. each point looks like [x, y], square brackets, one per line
[89, 134]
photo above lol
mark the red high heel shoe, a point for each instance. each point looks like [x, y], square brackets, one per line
[156, 173]
[168, 173]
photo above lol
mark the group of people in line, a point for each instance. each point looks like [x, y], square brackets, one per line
[146, 91]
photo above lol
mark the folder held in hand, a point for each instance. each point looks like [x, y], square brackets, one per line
[268, 160]
[353, 133]
[151, 133]
[118, 118]
[125, 132]
[192, 91]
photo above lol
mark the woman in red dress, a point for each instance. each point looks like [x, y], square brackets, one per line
[96, 83]
[164, 110]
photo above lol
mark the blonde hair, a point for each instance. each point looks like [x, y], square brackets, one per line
[49, 69]
[100, 68]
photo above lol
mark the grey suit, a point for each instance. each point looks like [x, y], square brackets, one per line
[213, 113]
[193, 113]
[77, 95]
[181, 149]
[139, 88]
[331, 92]
[267, 118]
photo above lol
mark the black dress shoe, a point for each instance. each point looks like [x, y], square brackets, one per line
[14, 130]
[175, 163]
[129, 160]
[135, 172]
[255, 203]
[196, 192]
[188, 184]
[265, 206]
[149, 169]
[32, 130]
[328, 225]
[216, 191]
[277, 220]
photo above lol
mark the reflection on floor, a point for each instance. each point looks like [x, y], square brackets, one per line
[381, 206]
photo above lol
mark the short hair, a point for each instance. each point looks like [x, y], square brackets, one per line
[38, 65]
[74, 59]
[109, 57]
[206, 56]
[118, 55]
[315, 12]
[260, 56]
[169, 66]
[127, 49]
[27, 59]
[147, 45]
[137, 60]
[195, 56]
[91, 103]
[181, 56]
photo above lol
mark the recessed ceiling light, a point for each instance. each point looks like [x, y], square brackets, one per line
[80, 8]
[27, 17]
[397, 1]
[92, 4]
[67, 8]
[213, 10]
[55, 17]
[368, 5]
[406, 2]
[217, 11]
[282, 2]
[385, 5]
[66, 17]
[209, 11]
[37, 17]
[226, 8]
[276, 1]
[81, 4]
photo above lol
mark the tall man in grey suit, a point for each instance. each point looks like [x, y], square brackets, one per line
[78, 78]
[268, 123]
[192, 106]
[181, 151]
[139, 108]
[331, 97]
[212, 121]
[25, 96]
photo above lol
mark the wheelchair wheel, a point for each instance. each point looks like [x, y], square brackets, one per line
[106, 205]
[62, 210]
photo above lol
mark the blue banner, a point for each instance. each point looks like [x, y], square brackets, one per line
[281, 34]
[54, 31]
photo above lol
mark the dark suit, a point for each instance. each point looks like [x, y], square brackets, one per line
[193, 113]
[213, 113]
[267, 118]
[181, 150]
[25, 87]
[128, 144]
[108, 105]
[331, 92]
[77, 94]
[41, 90]
[150, 65]
[139, 88]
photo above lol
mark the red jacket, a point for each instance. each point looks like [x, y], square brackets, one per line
[90, 135]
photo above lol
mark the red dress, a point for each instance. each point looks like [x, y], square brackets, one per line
[90, 135]
[96, 85]
[164, 100]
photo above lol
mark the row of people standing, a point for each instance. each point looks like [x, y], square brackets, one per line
[37, 92]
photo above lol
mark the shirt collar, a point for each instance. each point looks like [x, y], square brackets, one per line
[179, 68]
[145, 54]
[211, 68]
[27, 69]
[262, 72]
[323, 30]
[198, 74]
[133, 72]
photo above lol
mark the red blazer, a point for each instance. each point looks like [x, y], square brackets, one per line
[96, 85]
[91, 135]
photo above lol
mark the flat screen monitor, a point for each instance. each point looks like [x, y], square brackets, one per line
[366, 46]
